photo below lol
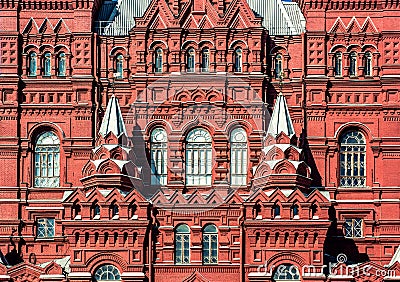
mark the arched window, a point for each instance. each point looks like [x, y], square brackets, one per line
[107, 272]
[62, 64]
[158, 60]
[286, 272]
[210, 244]
[114, 211]
[295, 211]
[76, 211]
[276, 211]
[47, 160]
[47, 64]
[238, 60]
[368, 64]
[198, 157]
[32, 64]
[352, 159]
[95, 211]
[338, 63]
[205, 60]
[238, 157]
[278, 66]
[190, 60]
[158, 155]
[353, 64]
[182, 244]
[119, 66]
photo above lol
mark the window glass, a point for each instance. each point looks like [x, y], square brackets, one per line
[198, 158]
[238, 157]
[45, 228]
[182, 244]
[352, 159]
[47, 160]
[210, 244]
[158, 155]
[107, 272]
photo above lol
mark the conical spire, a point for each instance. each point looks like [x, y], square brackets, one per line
[280, 120]
[112, 121]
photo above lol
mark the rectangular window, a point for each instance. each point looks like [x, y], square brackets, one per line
[45, 228]
[353, 228]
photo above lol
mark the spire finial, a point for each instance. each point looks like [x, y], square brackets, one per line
[280, 120]
[112, 120]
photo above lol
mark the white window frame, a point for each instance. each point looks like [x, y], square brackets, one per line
[47, 160]
[210, 245]
[239, 157]
[182, 244]
[158, 156]
[199, 158]
[339, 64]
[352, 158]
[45, 228]
[353, 228]
[106, 271]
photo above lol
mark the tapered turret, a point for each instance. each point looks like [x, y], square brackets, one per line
[112, 160]
[281, 162]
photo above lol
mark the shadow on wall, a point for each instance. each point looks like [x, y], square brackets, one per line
[336, 243]
[309, 159]
[14, 256]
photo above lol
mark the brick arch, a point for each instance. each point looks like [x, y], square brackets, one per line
[354, 48]
[46, 48]
[354, 125]
[62, 48]
[369, 47]
[30, 48]
[189, 44]
[158, 43]
[151, 125]
[45, 126]
[106, 258]
[337, 47]
[238, 43]
[245, 124]
[286, 257]
[196, 123]
[118, 49]
[279, 49]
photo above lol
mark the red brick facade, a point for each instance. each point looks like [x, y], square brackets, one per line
[309, 189]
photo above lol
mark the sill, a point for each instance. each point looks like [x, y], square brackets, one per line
[44, 239]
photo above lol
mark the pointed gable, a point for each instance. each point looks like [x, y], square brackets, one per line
[206, 23]
[353, 26]
[46, 27]
[158, 23]
[369, 26]
[238, 23]
[61, 27]
[31, 27]
[191, 23]
[338, 27]
[241, 9]
[155, 9]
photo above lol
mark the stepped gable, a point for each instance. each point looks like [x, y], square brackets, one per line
[281, 162]
[112, 160]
